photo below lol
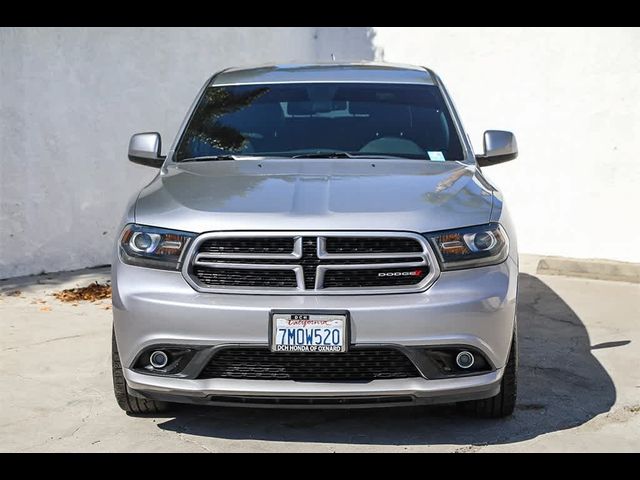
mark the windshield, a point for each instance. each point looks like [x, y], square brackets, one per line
[342, 119]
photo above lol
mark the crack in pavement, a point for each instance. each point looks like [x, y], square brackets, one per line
[181, 436]
[41, 343]
[533, 307]
[78, 393]
[189, 440]
[37, 380]
[52, 439]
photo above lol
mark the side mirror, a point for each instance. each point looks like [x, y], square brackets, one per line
[145, 148]
[499, 147]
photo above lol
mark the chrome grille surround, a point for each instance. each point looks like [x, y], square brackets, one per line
[226, 260]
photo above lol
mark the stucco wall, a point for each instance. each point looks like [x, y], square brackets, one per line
[572, 96]
[71, 97]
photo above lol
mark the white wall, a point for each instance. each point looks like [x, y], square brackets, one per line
[572, 96]
[71, 97]
[346, 44]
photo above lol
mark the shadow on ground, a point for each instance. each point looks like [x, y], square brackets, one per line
[561, 385]
[34, 283]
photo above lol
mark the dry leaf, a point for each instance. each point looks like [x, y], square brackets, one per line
[45, 309]
[15, 293]
[90, 293]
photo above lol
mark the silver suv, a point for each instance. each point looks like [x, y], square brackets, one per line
[317, 235]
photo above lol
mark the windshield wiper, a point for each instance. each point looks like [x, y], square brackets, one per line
[341, 154]
[378, 155]
[328, 154]
[207, 158]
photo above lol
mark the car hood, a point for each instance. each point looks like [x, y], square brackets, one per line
[311, 194]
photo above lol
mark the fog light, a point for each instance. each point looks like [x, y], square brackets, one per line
[158, 359]
[465, 359]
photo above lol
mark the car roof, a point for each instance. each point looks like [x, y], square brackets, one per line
[370, 72]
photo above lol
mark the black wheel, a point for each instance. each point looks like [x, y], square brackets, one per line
[503, 404]
[129, 403]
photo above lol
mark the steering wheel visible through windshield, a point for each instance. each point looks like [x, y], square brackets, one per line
[294, 119]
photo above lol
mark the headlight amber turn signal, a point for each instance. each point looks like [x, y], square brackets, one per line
[470, 247]
[153, 247]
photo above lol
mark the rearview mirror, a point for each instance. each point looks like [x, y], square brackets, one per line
[499, 147]
[145, 149]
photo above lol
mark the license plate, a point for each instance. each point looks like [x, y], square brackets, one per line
[299, 332]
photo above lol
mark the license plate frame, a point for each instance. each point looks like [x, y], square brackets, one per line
[308, 315]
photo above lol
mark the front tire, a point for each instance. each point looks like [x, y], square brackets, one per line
[129, 403]
[504, 403]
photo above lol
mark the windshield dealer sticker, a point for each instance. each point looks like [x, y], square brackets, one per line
[436, 156]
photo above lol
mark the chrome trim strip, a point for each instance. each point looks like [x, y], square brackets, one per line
[427, 255]
[372, 266]
[246, 266]
[285, 82]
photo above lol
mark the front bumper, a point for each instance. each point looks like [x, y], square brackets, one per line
[255, 393]
[473, 307]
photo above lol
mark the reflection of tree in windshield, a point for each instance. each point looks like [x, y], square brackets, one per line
[205, 126]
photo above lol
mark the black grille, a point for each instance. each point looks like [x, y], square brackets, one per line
[372, 245]
[229, 251]
[385, 277]
[242, 277]
[355, 365]
[275, 245]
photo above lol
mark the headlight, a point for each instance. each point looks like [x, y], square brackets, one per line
[470, 247]
[153, 247]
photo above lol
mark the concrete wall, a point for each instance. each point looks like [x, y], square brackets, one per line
[572, 96]
[71, 97]
[346, 44]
